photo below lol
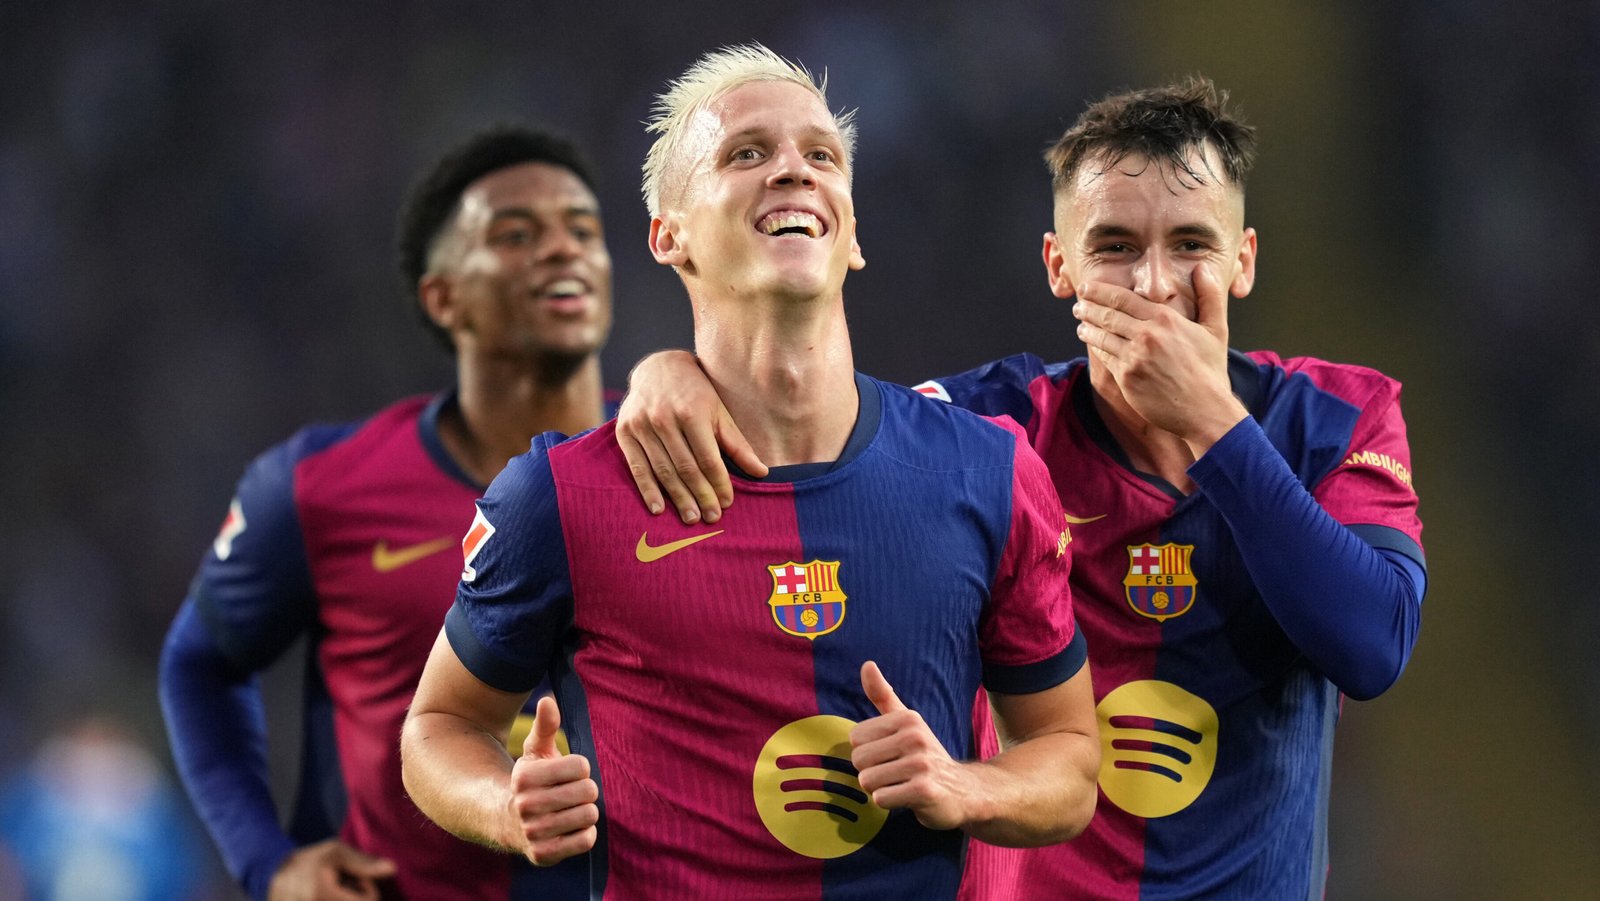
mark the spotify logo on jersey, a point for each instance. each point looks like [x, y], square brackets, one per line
[807, 792]
[1158, 747]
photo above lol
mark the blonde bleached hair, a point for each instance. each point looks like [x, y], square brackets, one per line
[712, 76]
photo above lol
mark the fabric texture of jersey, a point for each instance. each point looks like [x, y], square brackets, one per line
[1216, 732]
[351, 534]
[712, 672]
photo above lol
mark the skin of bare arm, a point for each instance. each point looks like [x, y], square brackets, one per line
[1039, 790]
[456, 769]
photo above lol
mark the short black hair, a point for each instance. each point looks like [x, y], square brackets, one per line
[435, 195]
[1162, 125]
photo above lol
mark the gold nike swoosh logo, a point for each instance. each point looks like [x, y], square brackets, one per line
[385, 560]
[648, 553]
[1077, 521]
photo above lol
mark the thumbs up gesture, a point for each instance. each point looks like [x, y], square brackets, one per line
[901, 762]
[552, 797]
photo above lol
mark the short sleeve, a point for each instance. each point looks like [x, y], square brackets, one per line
[514, 602]
[1028, 638]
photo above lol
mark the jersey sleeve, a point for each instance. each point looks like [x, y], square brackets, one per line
[1351, 607]
[1371, 490]
[250, 599]
[1000, 388]
[217, 728]
[254, 591]
[514, 601]
[1028, 638]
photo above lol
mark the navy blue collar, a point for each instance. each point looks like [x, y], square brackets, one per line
[428, 433]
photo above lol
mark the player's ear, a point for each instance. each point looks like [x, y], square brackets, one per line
[438, 303]
[1244, 277]
[1055, 268]
[665, 245]
[857, 261]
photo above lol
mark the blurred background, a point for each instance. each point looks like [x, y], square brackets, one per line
[196, 215]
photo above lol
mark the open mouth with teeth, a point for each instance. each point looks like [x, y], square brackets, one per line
[791, 222]
[564, 289]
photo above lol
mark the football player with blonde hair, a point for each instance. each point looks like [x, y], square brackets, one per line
[727, 693]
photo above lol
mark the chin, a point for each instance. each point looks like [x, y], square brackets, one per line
[798, 285]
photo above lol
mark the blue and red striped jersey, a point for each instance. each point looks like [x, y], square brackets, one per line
[349, 534]
[711, 672]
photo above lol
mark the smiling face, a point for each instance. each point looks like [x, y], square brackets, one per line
[1139, 225]
[524, 271]
[764, 206]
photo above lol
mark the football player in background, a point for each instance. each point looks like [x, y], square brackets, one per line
[350, 535]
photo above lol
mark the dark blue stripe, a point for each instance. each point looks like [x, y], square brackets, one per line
[1035, 677]
[483, 662]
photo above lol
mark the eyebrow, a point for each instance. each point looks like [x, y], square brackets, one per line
[761, 131]
[575, 209]
[1190, 230]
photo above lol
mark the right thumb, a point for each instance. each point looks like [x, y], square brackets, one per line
[541, 740]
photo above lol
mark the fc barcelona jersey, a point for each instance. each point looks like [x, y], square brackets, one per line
[349, 533]
[711, 672]
[1216, 733]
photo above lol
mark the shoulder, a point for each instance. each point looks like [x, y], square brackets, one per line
[321, 438]
[938, 435]
[356, 438]
[1359, 385]
[588, 458]
[1017, 370]
[1020, 386]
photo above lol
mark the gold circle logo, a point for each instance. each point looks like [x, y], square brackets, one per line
[1158, 747]
[807, 791]
[810, 619]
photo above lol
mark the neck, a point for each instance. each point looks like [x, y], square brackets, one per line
[504, 405]
[1150, 449]
[786, 374]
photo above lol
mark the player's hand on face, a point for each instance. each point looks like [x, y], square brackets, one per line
[901, 762]
[553, 800]
[673, 429]
[1172, 370]
[329, 871]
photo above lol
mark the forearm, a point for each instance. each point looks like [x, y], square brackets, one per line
[1350, 611]
[1037, 792]
[217, 730]
[459, 775]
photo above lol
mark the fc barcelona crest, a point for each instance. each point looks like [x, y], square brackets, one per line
[1159, 583]
[806, 598]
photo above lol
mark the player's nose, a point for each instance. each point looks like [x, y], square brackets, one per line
[790, 167]
[559, 243]
[1158, 277]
